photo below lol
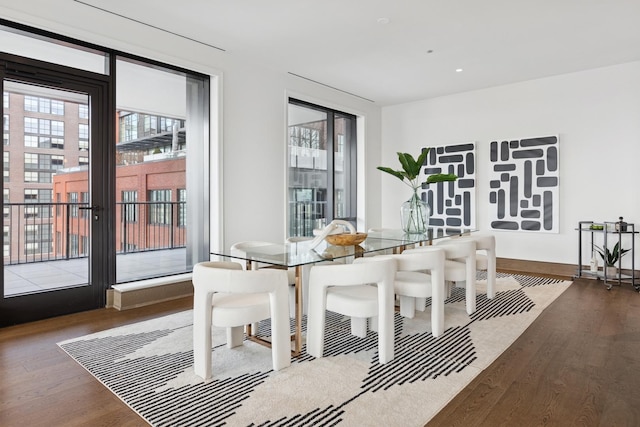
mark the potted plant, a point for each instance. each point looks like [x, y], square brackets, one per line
[415, 212]
[611, 257]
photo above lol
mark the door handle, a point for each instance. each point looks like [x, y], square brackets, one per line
[94, 208]
[91, 208]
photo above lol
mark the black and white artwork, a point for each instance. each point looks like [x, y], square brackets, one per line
[453, 204]
[524, 184]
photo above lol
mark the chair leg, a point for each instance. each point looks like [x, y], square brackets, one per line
[470, 285]
[359, 326]
[202, 335]
[407, 306]
[421, 304]
[316, 321]
[254, 329]
[491, 275]
[280, 333]
[448, 287]
[235, 336]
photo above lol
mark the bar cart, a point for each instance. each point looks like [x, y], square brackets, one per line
[608, 232]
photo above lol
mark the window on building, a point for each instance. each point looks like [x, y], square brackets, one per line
[83, 161]
[83, 111]
[182, 207]
[31, 197]
[48, 133]
[31, 103]
[322, 166]
[44, 105]
[84, 201]
[83, 131]
[5, 166]
[84, 247]
[44, 126]
[72, 200]
[5, 99]
[130, 206]
[30, 125]
[30, 141]
[5, 128]
[6, 240]
[57, 162]
[57, 128]
[73, 245]
[5, 197]
[57, 108]
[43, 163]
[160, 207]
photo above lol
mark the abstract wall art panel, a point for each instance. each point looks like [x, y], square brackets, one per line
[453, 204]
[524, 184]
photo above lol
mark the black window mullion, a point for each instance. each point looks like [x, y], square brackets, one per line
[331, 166]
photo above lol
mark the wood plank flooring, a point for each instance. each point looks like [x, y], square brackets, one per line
[578, 364]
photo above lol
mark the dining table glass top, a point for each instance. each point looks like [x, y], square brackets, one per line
[301, 253]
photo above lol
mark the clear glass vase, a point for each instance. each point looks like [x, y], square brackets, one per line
[414, 214]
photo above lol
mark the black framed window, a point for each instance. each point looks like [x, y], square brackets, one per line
[322, 151]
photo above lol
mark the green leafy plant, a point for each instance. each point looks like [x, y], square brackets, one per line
[610, 258]
[415, 213]
[410, 172]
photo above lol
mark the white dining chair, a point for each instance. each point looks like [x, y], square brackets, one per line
[485, 258]
[240, 249]
[459, 268]
[419, 275]
[361, 290]
[227, 296]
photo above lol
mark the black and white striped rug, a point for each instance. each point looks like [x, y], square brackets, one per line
[149, 366]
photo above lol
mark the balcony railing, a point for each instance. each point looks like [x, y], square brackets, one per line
[35, 232]
[303, 216]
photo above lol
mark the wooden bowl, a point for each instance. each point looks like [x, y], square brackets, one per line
[346, 239]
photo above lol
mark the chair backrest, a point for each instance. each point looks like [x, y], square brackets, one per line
[458, 248]
[228, 277]
[241, 248]
[484, 242]
[358, 273]
[420, 259]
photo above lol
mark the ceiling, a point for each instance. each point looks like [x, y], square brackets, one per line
[396, 51]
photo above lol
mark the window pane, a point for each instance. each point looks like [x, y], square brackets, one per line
[321, 187]
[152, 143]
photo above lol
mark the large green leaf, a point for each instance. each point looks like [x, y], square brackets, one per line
[395, 173]
[411, 169]
[409, 165]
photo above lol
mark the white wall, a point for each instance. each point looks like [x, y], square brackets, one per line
[249, 151]
[595, 113]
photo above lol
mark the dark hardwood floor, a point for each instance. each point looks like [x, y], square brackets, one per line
[41, 386]
[578, 364]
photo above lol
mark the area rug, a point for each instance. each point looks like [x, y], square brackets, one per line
[148, 365]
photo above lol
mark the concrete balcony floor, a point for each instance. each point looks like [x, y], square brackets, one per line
[47, 275]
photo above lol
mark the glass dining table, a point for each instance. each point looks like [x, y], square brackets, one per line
[296, 255]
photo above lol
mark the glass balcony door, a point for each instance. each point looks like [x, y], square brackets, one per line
[56, 227]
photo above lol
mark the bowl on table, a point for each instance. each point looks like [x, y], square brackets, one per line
[346, 239]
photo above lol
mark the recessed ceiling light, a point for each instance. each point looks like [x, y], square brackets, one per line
[430, 51]
[383, 20]
[458, 70]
